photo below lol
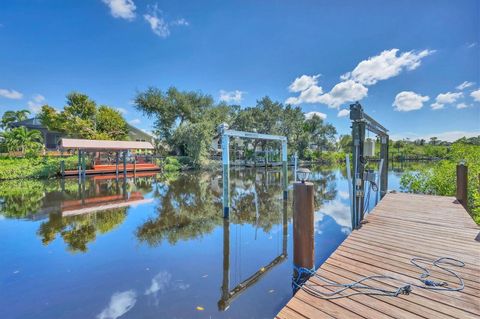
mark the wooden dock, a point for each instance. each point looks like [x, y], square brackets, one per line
[402, 226]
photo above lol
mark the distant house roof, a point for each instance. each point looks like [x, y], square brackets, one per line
[73, 143]
[29, 123]
[35, 124]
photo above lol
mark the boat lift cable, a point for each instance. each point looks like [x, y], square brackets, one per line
[360, 288]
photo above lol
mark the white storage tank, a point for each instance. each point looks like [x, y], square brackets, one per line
[369, 147]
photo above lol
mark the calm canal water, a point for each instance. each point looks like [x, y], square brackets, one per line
[158, 247]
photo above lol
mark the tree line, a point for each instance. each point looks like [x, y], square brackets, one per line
[81, 117]
[185, 123]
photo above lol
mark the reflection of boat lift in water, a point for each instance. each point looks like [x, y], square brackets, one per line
[229, 295]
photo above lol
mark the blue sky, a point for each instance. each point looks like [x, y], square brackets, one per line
[404, 60]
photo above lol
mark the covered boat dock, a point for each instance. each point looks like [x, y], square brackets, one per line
[108, 157]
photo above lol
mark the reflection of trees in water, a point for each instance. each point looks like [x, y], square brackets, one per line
[188, 208]
[269, 196]
[25, 197]
[78, 231]
[325, 186]
[191, 205]
[20, 197]
[38, 199]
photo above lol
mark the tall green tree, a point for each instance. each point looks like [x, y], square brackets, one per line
[80, 105]
[81, 118]
[172, 108]
[321, 135]
[110, 123]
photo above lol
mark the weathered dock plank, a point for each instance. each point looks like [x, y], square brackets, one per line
[401, 227]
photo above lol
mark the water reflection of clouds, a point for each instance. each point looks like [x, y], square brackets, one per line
[161, 283]
[339, 211]
[120, 303]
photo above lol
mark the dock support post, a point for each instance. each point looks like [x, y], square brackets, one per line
[384, 170]
[462, 184]
[303, 227]
[226, 175]
[79, 166]
[285, 169]
[124, 165]
[117, 155]
[134, 165]
[84, 165]
[350, 191]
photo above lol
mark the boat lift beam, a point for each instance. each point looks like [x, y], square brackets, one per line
[226, 134]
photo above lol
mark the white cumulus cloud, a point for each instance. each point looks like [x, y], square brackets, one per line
[437, 106]
[159, 25]
[303, 82]
[36, 103]
[346, 91]
[476, 95]
[385, 65]
[11, 94]
[343, 113]
[464, 85]
[135, 121]
[409, 101]
[231, 96]
[311, 95]
[123, 9]
[120, 303]
[462, 106]
[353, 87]
[445, 98]
[321, 115]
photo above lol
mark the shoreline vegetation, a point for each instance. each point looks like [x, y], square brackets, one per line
[186, 137]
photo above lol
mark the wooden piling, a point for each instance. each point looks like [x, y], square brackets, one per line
[462, 185]
[117, 155]
[135, 165]
[303, 225]
[124, 165]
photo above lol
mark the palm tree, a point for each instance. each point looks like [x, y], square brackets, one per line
[27, 139]
[13, 116]
[22, 139]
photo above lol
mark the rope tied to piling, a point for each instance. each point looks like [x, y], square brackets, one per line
[361, 288]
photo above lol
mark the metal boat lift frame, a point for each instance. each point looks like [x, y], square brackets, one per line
[361, 122]
[226, 134]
